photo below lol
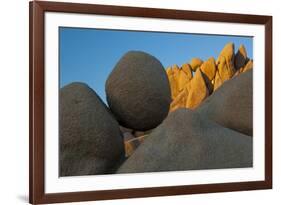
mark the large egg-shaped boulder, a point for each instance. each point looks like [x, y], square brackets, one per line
[138, 91]
[90, 141]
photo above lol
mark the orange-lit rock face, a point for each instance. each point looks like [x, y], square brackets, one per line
[197, 90]
[178, 78]
[225, 62]
[195, 63]
[209, 68]
[218, 81]
[193, 82]
[173, 82]
[185, 75]
[180, 100]
[192, 93]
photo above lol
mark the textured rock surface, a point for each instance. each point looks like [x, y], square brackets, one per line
[125, 129]
[132, 144]
[218, 81]
[225, 62]
[197, 90]
[188, 71]
[184, 76]
[138, 91]
[208, 83]
[187, 141]
[215, 73]
[86, 130]
[173, 83]
[248, 66]
[180, 100]
[232, 104]
[176, 70]
[209, 68]
[195, 63]
[178, 78]
[240, 57]
[128, 136]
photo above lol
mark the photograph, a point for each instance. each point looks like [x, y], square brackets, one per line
[145, 101]
[140, 102]
[129, 102]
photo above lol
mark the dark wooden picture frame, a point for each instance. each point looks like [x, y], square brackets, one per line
[37, 193]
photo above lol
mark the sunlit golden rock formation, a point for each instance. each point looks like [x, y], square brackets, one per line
[193, 82]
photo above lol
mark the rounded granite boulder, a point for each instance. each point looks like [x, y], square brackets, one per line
[138, 91]
[188, 141]
[232, 104]
[90, 141]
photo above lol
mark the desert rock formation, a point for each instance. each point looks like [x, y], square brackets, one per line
[189, 89]
[189, 117]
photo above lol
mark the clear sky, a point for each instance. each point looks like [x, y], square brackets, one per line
[89, 55]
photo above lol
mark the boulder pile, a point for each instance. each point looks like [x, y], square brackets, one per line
[193, 82]
[193, 117]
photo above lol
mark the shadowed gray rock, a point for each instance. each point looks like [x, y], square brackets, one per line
[90, 139]
[240, 57]
[138, 91]
[187, 141]
[232, 105]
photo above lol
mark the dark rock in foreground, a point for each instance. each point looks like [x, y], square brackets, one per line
[138, 91]
[232, 104]
[187, 141]
[90, 139]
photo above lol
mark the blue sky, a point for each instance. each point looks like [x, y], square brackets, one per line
[89, 55]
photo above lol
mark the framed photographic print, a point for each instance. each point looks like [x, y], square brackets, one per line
[139, 102]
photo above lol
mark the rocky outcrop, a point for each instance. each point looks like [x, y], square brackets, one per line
[86, 128]
[173, 82]
[209, 68]
[191, 91]
[185, 75]
[240, 57]
[195, 63]
[138, 91]
[214, 73]
[197, 90]
[232, 105]
[180, 100]
[178, 78]
[225, 62]
[217, 81]
[187, 141]
[209, 126]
